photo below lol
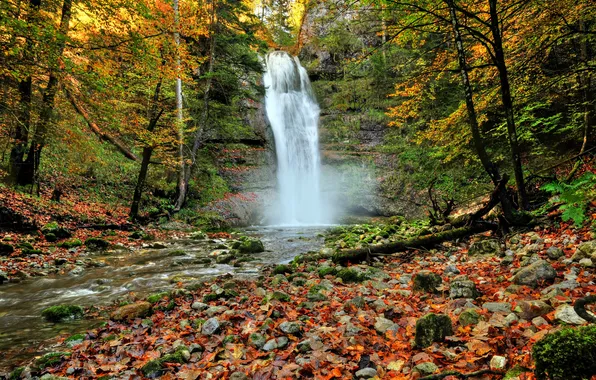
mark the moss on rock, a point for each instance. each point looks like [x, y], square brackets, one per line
[432, 328]
[97, 243]
[568, 354]
[62, 312]
[71, 243]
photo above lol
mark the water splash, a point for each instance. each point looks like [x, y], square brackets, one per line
[294, 117]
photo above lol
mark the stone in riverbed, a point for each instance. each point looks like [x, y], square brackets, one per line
[60, 313]
[554, 253]
[432, 328]
[485, 247]
[251, 246]
[136, 310]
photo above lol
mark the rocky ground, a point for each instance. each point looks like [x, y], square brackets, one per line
[472, 307]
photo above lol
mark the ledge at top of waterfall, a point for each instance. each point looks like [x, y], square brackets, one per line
[293, 113]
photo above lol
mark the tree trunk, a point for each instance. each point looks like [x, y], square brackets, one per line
[488, 165]
[147, 152]
[29, 169]
[182, 188]
[21, 132]
[507, 103]
[362, 254]
[203, 125]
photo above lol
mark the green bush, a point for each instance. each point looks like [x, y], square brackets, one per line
[574, 197]
[567, 354]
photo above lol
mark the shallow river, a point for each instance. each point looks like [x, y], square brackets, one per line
[23, 333]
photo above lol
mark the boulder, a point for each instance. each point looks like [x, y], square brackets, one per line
[366, 373]
[427, 368]
[60, 313]
[427, 281]
[497, 307]
[529, 310]
[136, 310]
[251, 246]
[383, 324]
[554, 253]
[290, 327]
[469, 317]
[565, 313]
[432, 328]
[463, 287]
[211, 326]
[532, 275]
[485, 247]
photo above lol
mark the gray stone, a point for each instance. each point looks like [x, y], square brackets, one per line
[214, 310]
[451, 270]
[427, 368]
[586, 263]
[510, 319]
[497, 307]
[366, 373]
[540, 271]
[427, 281]
[290, 327]
[200, 306]
[383, 324]
[528, 260]
[539, 321]
[554, 253]
[210, 327]
[272, 344]
[432, 328]
[529, 310]
[485, 247]
[257, 340]
[567, 314]
[238, 376]
[498, 362]
[463, 287]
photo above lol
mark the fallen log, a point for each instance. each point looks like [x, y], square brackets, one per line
[495, 198]
[426, 241]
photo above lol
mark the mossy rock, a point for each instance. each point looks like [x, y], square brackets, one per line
[97, 243]
[25, 245]
[156, 297]
[283, 269]
[224, 258]
[251, 246]
[567, 354]
[326, 270]
[351, 275]
[51, 359]
[56, 230]
[74, 340]
[139, 309]
[16, 373]
[6, 249]
[29, 252]
[469, 317]
[280, 296]
[50, 237]
[62, 312]
[153, 367]
[432, 328]
[427, 281]
[71, 243]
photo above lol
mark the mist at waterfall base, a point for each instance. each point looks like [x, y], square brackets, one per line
[293, 114]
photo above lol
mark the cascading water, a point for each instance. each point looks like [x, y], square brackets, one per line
[294, 117]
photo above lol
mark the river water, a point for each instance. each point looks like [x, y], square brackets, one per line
[23, 333]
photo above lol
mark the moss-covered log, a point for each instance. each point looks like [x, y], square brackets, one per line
[362, 254]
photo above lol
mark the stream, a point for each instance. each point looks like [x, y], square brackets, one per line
[24, 333]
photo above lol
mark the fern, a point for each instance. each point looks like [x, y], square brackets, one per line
[574, 197]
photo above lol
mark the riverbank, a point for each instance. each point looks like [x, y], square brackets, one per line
[494, 300]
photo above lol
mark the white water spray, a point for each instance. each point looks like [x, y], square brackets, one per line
[294, 117]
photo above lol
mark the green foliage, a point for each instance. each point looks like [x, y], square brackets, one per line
[568, 354]
[574, 197]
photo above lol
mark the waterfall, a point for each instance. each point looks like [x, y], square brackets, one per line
[294, 117]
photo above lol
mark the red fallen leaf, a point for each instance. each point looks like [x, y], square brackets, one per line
[478, 347]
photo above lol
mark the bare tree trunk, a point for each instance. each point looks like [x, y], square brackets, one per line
[507, 103]
[29, 169]
[154, 116]
[21, 132]
[488, 165]
[182, 188]
[203, 125]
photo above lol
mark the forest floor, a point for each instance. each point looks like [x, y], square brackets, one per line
[319, 320]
